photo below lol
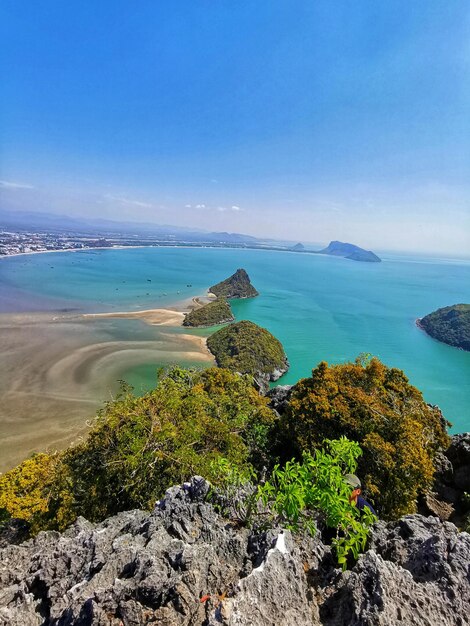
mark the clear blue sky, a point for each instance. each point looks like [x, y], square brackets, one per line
[301, 119]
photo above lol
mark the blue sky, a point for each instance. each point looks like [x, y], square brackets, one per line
[300, 119]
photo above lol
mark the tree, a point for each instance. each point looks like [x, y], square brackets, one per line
[377, 407]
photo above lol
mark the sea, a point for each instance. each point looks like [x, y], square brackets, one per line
[321, 308]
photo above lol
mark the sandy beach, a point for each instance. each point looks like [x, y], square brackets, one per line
[155, 317]
[56, 370]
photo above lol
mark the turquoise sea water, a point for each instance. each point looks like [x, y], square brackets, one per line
[321, 308]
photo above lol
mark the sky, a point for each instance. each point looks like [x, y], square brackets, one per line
[307, 120]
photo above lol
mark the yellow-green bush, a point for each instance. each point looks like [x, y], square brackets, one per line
[377, 407]
[139, 446]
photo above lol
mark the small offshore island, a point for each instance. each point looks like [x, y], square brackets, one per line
[218, 311]
[350, 251]
[451, 325]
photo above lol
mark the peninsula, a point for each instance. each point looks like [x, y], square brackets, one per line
[450, 325]
[238, 285]
[350, 251]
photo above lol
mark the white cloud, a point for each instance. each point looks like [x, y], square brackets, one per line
[6, 184]
[236, 208]
[187, 206]
[127, 201]
[200, 206]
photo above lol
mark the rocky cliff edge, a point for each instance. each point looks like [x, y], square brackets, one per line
[183, 564]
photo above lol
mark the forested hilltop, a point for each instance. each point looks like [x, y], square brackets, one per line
[450, 325]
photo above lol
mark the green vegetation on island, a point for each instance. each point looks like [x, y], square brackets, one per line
[450, 325]
[350, 251]
[236, 286]
[216, 312]
[247, 348]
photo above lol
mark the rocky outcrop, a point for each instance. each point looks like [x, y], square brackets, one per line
[279, 397]
[183, 564]
[447, 499]
[238, 285]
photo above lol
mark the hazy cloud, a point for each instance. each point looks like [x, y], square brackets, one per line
[222, 209]
[128, 201]
[6, 184]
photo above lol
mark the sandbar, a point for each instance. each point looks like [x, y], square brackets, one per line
[57, 370]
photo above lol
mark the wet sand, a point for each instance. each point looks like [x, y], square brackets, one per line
[156, 317]
[57, 370]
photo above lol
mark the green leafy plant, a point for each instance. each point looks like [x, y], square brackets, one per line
[316, 485]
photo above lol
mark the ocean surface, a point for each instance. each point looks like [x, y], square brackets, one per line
[320, 307]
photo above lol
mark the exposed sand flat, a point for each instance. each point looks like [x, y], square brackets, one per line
[56, 370]
[156, 317]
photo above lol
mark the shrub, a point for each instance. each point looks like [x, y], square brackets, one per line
[316, 484]
[36, 491]
[139, 446]
[377, 407]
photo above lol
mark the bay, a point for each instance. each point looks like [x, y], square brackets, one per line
[320, 307]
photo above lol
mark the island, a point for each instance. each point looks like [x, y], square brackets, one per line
[350, 251]
[247, 348]
[450, 325]
[299, 247]
[216, 312]
[238, 285]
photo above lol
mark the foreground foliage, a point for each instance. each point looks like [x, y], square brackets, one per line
[376, 406]
[300, 495]
[138, 447]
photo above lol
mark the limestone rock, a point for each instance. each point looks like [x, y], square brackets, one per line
[184, 565]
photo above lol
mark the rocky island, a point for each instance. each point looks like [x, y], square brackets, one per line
[247, 348]
[216, 312]
[450, 325]
[350, 251]
[236, 286]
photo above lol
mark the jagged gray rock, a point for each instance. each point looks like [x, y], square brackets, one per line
[183, 564]
[458, 454]
[417, 572]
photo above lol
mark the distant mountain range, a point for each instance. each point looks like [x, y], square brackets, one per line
[32, 220]
[147, 232]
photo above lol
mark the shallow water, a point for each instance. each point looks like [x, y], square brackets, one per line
[321, 308]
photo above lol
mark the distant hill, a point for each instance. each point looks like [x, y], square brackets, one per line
[238, 285]
[299, 247]
[212, 313]
[450, 325]
[51, 222]
[350, 251]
